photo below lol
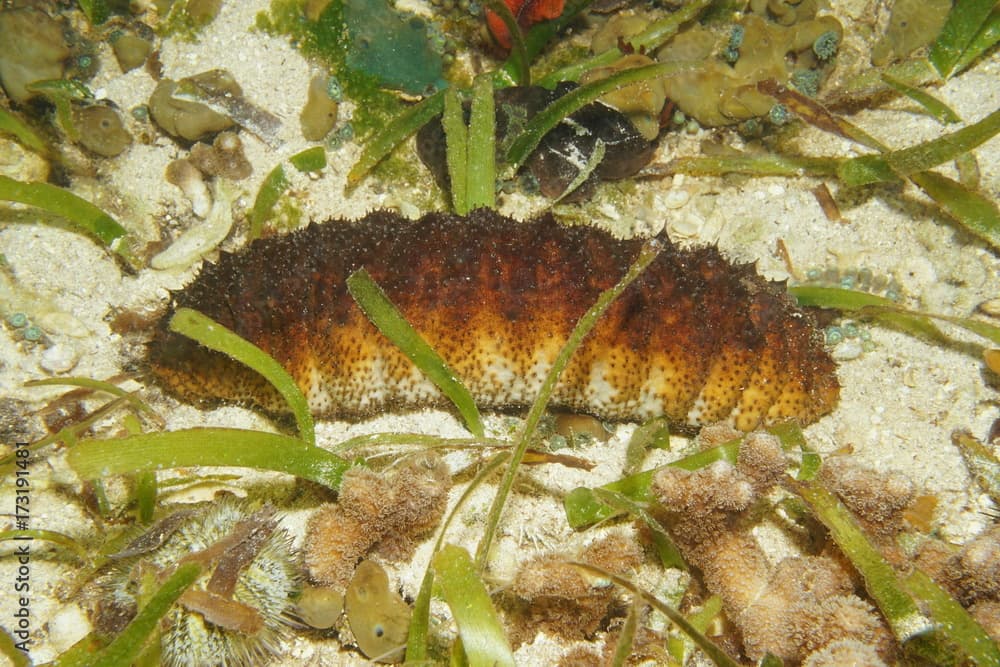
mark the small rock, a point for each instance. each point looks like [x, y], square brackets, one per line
[67, 627]
[59, 358]
[849, 349]
[676, 198]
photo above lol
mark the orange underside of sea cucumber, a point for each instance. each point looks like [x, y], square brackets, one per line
[696, 338]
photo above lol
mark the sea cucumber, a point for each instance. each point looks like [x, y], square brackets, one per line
[696, 338]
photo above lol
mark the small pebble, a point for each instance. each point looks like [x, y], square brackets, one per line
[850, 349]
[688, 226]
[676, 198]
[68, 626]
[57, 322]
[59, 358]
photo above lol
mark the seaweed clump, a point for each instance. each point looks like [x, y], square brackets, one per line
[720, 87]
[374, 50]
[790, 610]
[387, 513]
[913, 24]
[550, 594]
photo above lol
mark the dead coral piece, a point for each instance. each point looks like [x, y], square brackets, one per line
[552, 595]
[223, 158]
[387, 512]
[378, 616]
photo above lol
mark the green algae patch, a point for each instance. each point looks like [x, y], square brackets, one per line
[392, 47]
[369, 46]
[186, 18]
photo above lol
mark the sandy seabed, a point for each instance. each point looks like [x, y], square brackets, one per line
[899, 404]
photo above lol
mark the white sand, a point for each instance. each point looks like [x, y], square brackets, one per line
[898, 406]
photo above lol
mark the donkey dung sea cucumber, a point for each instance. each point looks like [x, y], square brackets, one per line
[696, 338]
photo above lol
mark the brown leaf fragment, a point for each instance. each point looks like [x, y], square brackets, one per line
[223, 612]
[155, 537]
[828, 204]
[816, 114]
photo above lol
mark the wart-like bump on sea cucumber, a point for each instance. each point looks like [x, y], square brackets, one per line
[696, 338]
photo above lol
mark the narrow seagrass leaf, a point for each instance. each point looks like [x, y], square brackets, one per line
[84, 215]
[14, 126]
[456, 139]
[483, 638]
[973, 211]
[394, 326]
[964, 22]
[62, 540]
[239, 448]
[931, 104]
[957, 629]
[213, 335]
[480, 181]
[898, 607]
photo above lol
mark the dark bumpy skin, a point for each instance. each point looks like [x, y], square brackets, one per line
[696, 338]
